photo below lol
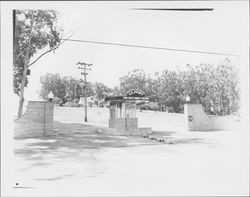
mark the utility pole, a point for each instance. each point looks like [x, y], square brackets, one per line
[75, 93]
[83, 66]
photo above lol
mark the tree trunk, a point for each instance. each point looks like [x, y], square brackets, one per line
[26, 62]
[21, 98]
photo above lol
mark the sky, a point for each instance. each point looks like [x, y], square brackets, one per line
[223, 30]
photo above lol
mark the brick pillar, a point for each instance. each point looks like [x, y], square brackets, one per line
[37, 120]
[49, 117]
[195, 118]
[188, 126]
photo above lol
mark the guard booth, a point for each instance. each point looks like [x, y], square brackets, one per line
[123, 120]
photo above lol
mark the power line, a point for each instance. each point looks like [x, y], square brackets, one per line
[175, 9]
[148, 47]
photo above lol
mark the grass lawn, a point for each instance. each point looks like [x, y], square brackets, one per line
[78, 161]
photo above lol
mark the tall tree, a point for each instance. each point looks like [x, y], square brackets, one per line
[64, 87]
[34, 31]
[137, 79]
[215, 87]
[101, 90]
[54, 83]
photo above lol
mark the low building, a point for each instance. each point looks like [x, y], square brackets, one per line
[92, 101]
[122, 118]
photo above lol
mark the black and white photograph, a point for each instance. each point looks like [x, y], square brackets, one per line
[124, 98]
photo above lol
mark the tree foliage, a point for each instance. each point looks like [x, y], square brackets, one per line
[69, 88]
[54, 83]
[136, 79]
[215, 87]
[34, 30]
[101, 90]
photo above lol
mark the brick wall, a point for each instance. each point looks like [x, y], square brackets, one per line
[37, 120]
[123, 123]
[125, 132]
[197, 120]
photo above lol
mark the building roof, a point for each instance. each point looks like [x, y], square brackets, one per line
[113, 100]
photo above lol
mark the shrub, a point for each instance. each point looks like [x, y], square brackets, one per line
[71, 104]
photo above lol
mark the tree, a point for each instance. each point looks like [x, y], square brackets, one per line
[34, 31]
[90, 88]
[224, 91]
[137, 79]
[116, 91]
[101, 90]
[54, 83]
[171, 91]
[64, 87]
[156, 90]
[215, 87]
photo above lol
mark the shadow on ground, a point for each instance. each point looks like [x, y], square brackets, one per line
[72, 138]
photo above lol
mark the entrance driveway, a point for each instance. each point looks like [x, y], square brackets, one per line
[77, 160]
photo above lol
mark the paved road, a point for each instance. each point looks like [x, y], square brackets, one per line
[79, 161]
